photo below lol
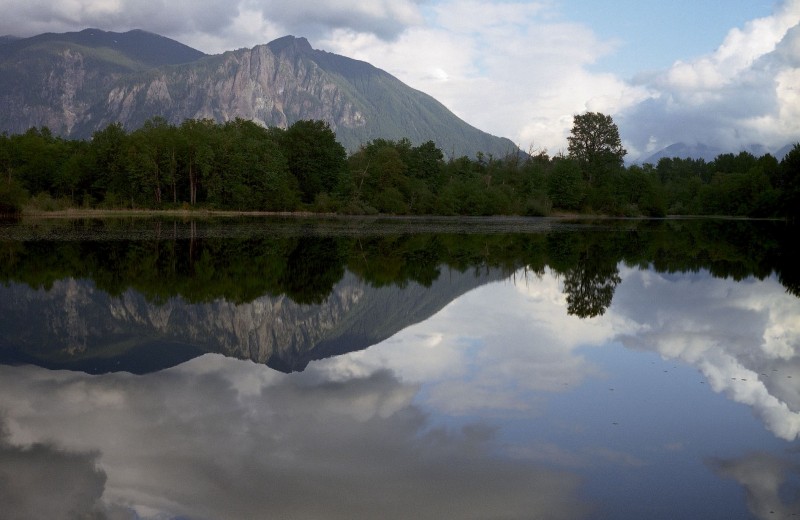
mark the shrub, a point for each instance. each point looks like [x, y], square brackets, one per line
[12, 198]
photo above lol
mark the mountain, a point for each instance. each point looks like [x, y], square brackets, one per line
[78, 83]
[709, 153]
[73, 325]
[8, 38]
[58, 80]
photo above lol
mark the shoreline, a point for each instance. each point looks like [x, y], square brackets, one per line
[145, 213]
[81, 213]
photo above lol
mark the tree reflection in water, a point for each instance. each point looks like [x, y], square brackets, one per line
[589, 286]
[241, 262]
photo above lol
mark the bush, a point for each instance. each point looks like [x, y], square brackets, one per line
[44, 202]
[391, 200]
[324, 203]
[12, 198]
[538, 207]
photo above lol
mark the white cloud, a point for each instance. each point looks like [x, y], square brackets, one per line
[743, 93]
[506, 68]
[168, 18]
[385, 18]
[209, 25]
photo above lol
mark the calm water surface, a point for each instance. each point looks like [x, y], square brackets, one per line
[403, 369]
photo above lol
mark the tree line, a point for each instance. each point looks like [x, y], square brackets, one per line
[239, 165]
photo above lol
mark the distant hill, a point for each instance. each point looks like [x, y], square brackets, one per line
[77, 83]
[709, 153]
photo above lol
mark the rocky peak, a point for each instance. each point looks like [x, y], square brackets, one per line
[290, 44]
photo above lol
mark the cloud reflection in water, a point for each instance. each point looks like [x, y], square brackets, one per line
[501, 345]
[744, 337]
[218, 438]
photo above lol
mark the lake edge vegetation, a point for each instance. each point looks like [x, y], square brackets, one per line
[241, 166]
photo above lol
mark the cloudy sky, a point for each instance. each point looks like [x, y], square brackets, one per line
[720, 72]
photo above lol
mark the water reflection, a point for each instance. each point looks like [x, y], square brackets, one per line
[75, 325]
[112, 294]
[567, 374]
[743, 337]
[772, 484]
[216, 438]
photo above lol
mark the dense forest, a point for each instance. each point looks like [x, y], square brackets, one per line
[239, 165]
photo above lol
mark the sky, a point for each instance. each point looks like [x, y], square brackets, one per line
[724, 73]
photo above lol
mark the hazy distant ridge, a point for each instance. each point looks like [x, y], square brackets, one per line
[709, 153]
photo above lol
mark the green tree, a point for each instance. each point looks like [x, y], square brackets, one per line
[425, 161]
[394, 177]
[12, 194]
[651, 201]
[682, 180]
[258, 169]
[154, 160]
[730, 163]
[196, 153]
[12, 197]
[565, 186]
[38, 157]
[108, 164]
[789, 184]
[595, 143]
[72, 175]
[314, 157]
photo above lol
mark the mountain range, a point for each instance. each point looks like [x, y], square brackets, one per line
[79, 82]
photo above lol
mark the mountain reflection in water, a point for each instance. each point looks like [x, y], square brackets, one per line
[610, 371]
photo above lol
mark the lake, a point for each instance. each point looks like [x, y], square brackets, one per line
[399, 368]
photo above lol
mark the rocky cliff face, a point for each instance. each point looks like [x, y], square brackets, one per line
[79, 83]
[56, 80]
[74, 325]
[256, 84]
[56, 93]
